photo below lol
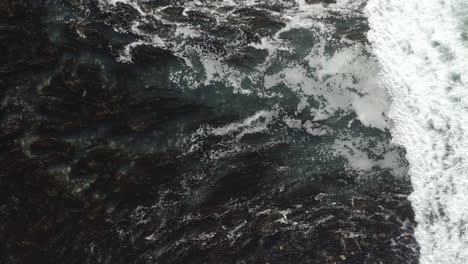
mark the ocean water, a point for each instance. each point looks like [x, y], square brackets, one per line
[293, 73]
[301, 64]
[350, 97]
[422, 47]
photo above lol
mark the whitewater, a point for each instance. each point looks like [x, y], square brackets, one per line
[419, 47]
[423, 50]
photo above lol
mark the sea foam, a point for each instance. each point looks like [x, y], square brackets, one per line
[423, 54]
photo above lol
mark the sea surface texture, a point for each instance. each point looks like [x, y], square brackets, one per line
[423, 49]
[233, 131]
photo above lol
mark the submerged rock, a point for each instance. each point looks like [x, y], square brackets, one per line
[321, 1]
[145, 54]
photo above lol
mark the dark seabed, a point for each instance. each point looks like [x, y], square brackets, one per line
[197, 132]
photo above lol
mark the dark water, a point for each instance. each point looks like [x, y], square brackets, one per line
[197, 132]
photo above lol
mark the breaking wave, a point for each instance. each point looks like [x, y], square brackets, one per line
[422, 47]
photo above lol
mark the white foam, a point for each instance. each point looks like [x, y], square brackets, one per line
[330, 76]
[257, 123]
[344, 80]
[424, 61]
